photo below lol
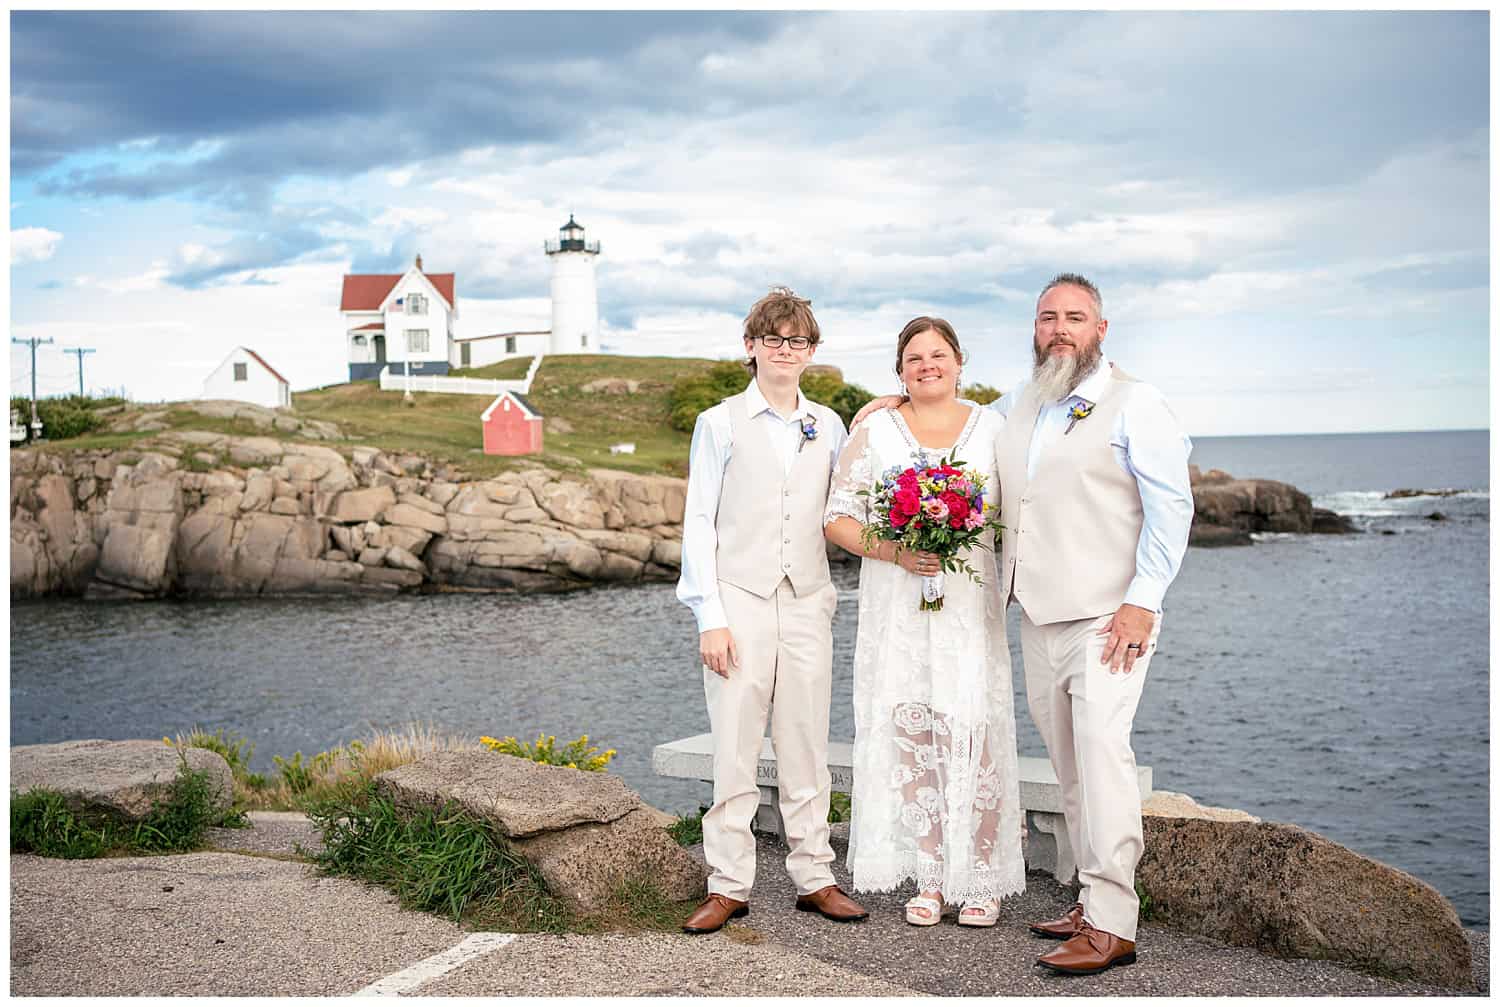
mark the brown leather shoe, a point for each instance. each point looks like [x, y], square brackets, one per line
[1064, 927]
[715, 911]
[1089, 951]
[833, 904]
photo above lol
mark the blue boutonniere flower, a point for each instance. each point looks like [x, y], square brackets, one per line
[809, 432]
[1080, 411]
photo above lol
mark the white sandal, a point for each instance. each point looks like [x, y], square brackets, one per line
[934, 909]
[979, 914]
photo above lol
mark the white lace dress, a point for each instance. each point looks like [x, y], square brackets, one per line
[936, 788]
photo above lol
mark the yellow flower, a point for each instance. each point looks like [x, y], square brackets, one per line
[572, 766]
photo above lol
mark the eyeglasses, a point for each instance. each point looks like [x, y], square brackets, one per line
[795, 342]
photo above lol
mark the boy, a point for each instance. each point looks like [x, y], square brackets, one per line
[755, 574]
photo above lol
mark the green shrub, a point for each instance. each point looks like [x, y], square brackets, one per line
[178, 824]
[839, 807]
[41, 822]
[983, 394]
[299, 776]
[64, 417]
[577, 754]
[688, 829]
[437, 860]
[235, 749]
[691, 395]
[443, 861]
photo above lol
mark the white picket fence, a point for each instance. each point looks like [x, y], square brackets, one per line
[458, 386]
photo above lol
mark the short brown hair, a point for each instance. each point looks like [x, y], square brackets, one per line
[778, 307]
[921, 324]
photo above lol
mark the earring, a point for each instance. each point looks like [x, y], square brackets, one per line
[902, 383]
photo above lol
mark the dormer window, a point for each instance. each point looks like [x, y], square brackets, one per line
[416, 304]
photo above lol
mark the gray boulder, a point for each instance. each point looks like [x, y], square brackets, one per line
[519, 797]
[584, 865]
[123, 779]
[586, 833]
[1292, 893]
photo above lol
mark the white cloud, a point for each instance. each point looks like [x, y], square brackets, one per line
[33, 244]
[152, 279]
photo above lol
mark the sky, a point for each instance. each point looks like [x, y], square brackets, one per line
[1287, 213]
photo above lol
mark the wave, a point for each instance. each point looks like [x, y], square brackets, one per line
[1376, 503]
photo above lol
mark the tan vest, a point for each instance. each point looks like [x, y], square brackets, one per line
[1068, 548]
[770, 522]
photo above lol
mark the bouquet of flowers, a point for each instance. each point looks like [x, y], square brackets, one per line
[939, 509]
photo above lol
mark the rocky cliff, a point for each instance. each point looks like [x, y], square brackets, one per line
[207, 514]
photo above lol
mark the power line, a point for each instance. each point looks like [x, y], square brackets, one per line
[80, 351]
[33, 342]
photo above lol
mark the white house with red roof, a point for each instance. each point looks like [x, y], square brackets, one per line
[399, 319]
[245, 377]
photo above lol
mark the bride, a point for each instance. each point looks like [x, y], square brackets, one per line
[936, 790]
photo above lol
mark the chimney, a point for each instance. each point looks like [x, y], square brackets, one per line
[419, 262]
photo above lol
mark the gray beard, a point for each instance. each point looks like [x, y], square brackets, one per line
[1055, 377]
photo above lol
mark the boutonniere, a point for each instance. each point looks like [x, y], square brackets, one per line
[809, 432]
[1080, 411]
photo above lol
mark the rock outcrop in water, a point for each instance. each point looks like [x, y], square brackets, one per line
[1226, 510]
[209, 514]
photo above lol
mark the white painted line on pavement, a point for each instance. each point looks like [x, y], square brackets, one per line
[466, 950]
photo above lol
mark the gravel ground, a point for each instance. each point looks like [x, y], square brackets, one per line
[948, 959]
[228, 923]
[219, 924]
[272, 832]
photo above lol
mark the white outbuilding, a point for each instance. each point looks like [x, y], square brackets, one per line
[245, 377]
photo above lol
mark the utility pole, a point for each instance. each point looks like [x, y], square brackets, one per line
[36, 423]
[80, 351]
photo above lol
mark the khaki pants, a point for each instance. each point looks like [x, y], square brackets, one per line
[1084, 715]
[785, 646]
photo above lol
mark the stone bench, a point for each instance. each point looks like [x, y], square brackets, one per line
[1047, 846]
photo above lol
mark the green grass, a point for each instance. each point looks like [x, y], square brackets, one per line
[447, 426]
[688, 829]
[43, 822]
[442, 861]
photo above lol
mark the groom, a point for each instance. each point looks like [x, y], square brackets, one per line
[755, 574]
[1096, 506]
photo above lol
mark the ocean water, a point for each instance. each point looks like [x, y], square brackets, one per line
[1337, 682]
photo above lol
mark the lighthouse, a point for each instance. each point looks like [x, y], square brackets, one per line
[575, 299]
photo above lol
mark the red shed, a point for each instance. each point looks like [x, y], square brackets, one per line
[512, 426]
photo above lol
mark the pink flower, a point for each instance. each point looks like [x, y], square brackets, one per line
[974, 520]
[935, 509]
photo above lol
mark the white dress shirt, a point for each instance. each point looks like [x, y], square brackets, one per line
[1152, 448]
[698, 586]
